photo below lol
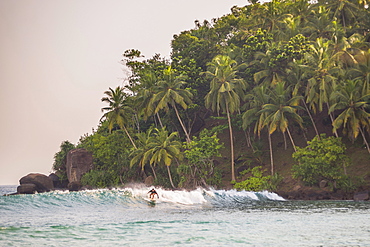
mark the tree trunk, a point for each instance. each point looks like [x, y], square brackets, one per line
[132, 141]
[313, 122]
[291, 139]
[250, 140]
[231, 145]
[170, 177]
[155, 175]
[332, 120]
[159, 120]
[182, 124]
[364, 137]
[271, 156]
[285, 144]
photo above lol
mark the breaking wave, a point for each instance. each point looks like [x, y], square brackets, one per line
[137, 197]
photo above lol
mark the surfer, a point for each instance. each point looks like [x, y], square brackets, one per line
[152, 194]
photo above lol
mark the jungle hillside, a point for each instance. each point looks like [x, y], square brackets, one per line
[272, 96]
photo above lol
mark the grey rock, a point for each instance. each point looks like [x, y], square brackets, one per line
[79, 161]
[42, 182]
[26, 189]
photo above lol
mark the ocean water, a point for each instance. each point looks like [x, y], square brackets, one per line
[125, 217]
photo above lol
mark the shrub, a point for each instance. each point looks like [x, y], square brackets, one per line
[256, 182]
[323, 158]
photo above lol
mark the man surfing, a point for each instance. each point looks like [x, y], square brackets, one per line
[152, 194]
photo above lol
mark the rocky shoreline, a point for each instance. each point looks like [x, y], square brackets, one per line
[39, 183]
[80, 161]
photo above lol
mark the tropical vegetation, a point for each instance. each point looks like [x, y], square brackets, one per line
[253, 77]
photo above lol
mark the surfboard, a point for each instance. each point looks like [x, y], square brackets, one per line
[150, 201]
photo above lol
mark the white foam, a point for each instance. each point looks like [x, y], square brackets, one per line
[174, 196]
[199, 196]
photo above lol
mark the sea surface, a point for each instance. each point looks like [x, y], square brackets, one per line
[125, 217]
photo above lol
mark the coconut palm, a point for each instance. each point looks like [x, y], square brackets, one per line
[345, 10]
[297, 78]
[163, 149]
[269, 73]
[144, 97]
[319, 25]
[169, 93]
[224, 94]
[118, 111]
[258, 97]
[281, 109]
[271, 14]
[321, 70]
[354, 106]
[254, 102]
[141, 156]
[361, 71]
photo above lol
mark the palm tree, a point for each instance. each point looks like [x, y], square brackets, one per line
[345, 10]
[163, 148]
[321, 70]
[297, 78]
[361, 71]
[258, 97]
[141, 156]
[281, 109]
[144, 97]
[169, 93]
[269, 74]
[271, 15]
[354, 105]
[118, 110]
[293, 26]
[320, 24]
[225, 89]
[254, 102]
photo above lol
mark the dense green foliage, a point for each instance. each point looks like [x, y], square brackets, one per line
[60, 159]
[255, 182]
[199, 170]
[110, 152]
[275, 69]
[323, 158]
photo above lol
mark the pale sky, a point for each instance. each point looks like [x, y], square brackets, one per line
[57, 57]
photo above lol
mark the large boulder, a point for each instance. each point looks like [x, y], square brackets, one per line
[79, 161]
[74, 186]
[58, 183]
[149, 181]
[42, 182]
[26, 189]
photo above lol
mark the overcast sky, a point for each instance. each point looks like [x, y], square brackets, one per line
[58, 57]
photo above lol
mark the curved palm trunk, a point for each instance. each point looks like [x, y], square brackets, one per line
[313, 122]
[271, 156]
[155, 175]
[285, 144]
[332, 121]
[248, 139]
[159, 120]
[181, 123]
[132, 141]
[170, 177]
[363, 137]
[291, 139]
[231, 145]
